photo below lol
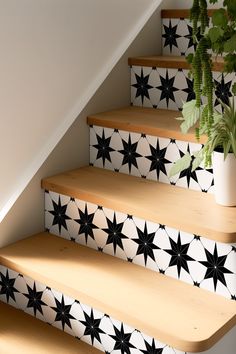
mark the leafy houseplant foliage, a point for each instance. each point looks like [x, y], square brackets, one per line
[218, 40]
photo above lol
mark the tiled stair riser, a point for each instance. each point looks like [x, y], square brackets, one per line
[77, 319]
[190, 258]
[168, 88]
[146, 156]
[177, 36]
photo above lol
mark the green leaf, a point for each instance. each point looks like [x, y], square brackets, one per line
[189, 58]
[198, 158]
[234, 89]
[181, 165]
[230, 44]
[219, 18]
[191, 114]
[215, 33]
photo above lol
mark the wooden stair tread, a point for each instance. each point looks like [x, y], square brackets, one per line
[180, 13]
[156, 122]
[169, 61]
[182, 209]
[23, 334]
[178, 314]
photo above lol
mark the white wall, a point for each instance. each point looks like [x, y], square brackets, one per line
[54, 55]
[27, 215]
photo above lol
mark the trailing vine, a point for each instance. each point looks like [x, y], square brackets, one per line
[215, 38]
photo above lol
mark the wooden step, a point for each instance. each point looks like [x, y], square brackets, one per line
[184, 317]
[156, 122]
[22, 334]
[182, 209]
[180, 13]
[170, 62]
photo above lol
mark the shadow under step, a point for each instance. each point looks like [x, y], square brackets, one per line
[21, 333]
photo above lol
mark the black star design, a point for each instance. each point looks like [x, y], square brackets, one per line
[7, 286]
[179, 256]
[59, 214]
[115, 234]
[222, 91]
[63, 313]
[122, 340]
[188, 173]
[103, 147]
[167, 88]
[145, 242]
[215, 267]
[158, 159]
[92, 326]
[189, 90]
[170, 36]
[35, 299]
[86, 223]
[142, 86]
[151, 348]
[190, 37]
[129, 153]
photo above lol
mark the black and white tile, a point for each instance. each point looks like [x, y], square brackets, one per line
[177, 36]
[146, 156]
[77, 319]
[193, 259]
[169, 88]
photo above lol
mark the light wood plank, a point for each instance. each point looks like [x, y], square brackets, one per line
[178, 314]
[182, 209]
[171, 62]
[180, 13]
[156, 122]
[23, 334]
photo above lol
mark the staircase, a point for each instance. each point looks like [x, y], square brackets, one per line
[132, 261]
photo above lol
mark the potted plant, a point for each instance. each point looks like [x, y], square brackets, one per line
[218, 40]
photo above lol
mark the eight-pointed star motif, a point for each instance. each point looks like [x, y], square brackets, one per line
[215, 265]
[7, 286]
[222, 91]
[103, 148]
[170, 36]
[189, 36]
[63, 313]
[188, 173]
[34, 299]
[151, 348]
[129, 153]
[167, 88]
[86, 223]
[142, 86]
[179, 255]
[122, 340]
[145, 243]
[115, 235]
[158, 160]
[189, 90]
[92, 326]
[59, 214]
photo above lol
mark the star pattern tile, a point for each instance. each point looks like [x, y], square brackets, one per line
[59, 214]
[170, 36]
[152, 158]
[34, 299]
[82, 321]
[142, 86]
[188, 257]
[7, 286]
[177, 36]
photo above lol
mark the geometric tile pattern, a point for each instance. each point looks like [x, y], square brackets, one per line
[177, 36]
[146, 156]
[190, 258]
[168, 88]
[77, 319]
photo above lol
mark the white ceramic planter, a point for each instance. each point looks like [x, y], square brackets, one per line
[224, 178]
